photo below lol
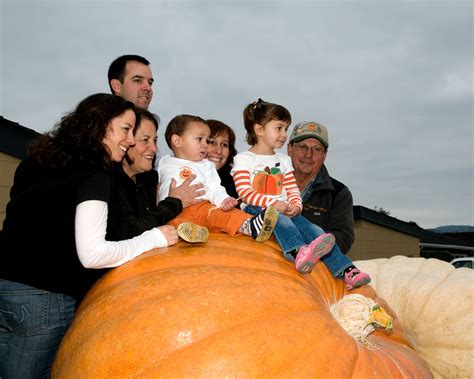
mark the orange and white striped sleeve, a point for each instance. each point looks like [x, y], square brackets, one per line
[246, 193]
[292, 190]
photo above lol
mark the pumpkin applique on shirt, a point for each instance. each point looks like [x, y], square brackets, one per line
[268, 181]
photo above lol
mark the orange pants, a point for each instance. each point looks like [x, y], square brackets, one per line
[215, 219]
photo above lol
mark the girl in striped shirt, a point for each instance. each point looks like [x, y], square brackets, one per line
[264, 177]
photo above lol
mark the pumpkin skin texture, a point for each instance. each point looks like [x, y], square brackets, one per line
[230, 307]
[435, 304]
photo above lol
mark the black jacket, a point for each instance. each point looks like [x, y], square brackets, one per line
[328, 204]
[133, 209]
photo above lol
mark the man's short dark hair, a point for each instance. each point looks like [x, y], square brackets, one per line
[117, 67]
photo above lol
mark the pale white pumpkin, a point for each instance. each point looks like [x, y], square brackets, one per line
[435, 304]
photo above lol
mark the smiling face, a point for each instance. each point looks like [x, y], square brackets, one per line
[119, 136]
[192, 144]
[141, 155]
[307, 156]
[137, 84]
[218, 151]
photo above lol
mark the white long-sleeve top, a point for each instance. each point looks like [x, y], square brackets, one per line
[92, 248]
[170, 167]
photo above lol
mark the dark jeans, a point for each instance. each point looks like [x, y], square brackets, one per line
[32, 324]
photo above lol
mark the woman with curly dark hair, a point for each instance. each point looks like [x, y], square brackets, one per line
[53, 245]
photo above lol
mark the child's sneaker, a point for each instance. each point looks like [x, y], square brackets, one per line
[356, 278]
[192, 233]
[262, 225]
[309, 255]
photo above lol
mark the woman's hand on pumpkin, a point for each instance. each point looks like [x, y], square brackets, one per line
[187, 192]
[170, 234]
[228, 204]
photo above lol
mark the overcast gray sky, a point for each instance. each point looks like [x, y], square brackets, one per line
[392, 80]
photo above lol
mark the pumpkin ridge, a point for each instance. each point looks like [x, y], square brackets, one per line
[390, 356]
[179, 264]
[456, 318]
[130, 284]
[427, 299]
[373, 359]
[409, 284]
[181, 269]
[409, 280]
[414, 329]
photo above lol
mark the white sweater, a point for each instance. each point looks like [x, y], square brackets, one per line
[170, 167]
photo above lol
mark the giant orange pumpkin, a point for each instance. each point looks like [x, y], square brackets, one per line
[228, 308]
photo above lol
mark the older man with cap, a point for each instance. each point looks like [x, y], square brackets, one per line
[326, 201]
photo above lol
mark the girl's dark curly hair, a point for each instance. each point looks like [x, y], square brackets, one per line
[77, 138]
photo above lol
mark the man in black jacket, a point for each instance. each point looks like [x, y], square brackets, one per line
[326, 201]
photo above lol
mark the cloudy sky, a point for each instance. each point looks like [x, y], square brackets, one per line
[392, 80]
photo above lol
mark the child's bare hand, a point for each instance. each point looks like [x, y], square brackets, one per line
[170, 234]
[228, 204]
[292, 211]
[280, 206]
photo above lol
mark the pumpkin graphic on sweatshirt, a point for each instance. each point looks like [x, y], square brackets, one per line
[185, 172]
[268, 181]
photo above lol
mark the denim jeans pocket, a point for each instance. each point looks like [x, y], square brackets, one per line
[23, 309]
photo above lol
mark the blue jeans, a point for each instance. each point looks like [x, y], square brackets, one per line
[32, 324]
[292, 233]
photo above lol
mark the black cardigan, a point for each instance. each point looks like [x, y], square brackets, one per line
[133, 209]
[227, 181]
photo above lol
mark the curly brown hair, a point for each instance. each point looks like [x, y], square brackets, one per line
[77, 138]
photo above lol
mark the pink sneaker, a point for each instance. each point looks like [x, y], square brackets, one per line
[356, 278]
[309, 255]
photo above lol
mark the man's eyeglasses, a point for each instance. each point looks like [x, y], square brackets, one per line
[303, 149]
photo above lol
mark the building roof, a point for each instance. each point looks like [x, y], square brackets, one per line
[15, 138]
[411, 228]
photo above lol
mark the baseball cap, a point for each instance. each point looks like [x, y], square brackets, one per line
[310, 129]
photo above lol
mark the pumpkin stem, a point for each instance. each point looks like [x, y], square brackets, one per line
[360, 315]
